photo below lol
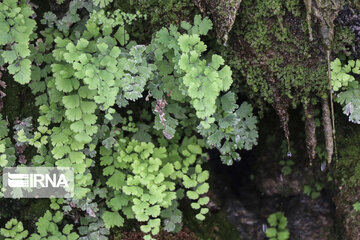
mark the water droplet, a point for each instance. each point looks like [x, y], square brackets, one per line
[264, 227]
[349, 108]
[323, 166]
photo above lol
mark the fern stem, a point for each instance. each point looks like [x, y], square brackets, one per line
[331, 104]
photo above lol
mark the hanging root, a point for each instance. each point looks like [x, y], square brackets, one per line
[310, 131]
[308, 5]
[326, 12]
[223, 14]
[329, 143]
[281, 106]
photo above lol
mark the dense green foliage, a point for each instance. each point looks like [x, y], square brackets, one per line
[47, 228]
[157, 14]
[14, 230]
[132, 95]
[86, 74]
[16, 26]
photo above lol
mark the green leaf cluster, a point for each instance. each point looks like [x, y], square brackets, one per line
[172, 218]
[350, 100]
[128, 163]
[70, 18]
[347, 86]
[313, 191]
[16, 26]
[286, 166]
[145, 181]
[91, 226]
[185, 72]
[7, 151]
[340, 75]
[356, 206]
[278, 227]
[84, 74]
[234, 128]
[47, 228]
[14, 230]
[102, 3]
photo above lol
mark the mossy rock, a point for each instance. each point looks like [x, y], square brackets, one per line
[348, 220]
[348, 165]
[271, 46]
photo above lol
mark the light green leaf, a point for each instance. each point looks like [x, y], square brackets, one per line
[112, 219]
[122, 36]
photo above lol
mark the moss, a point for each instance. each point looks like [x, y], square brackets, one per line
[223, 14]
[347, 219]
[348, 165]
[343, 40]
[272, 51]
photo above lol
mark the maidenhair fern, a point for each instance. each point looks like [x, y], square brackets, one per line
[102, 3]
[47, 228]
[201, 80]
[278, 227]
[234, 129]
[7, 151]
[14, 230]
[145, 180]
[341, 75]
[16, 26]
[129, 163]
[347, 87]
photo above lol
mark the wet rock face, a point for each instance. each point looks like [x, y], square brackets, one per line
[223, 14]
[350, 17]
[346, 214]
[281, 185]
[309, 219]
[273, 182]
[247, 222]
